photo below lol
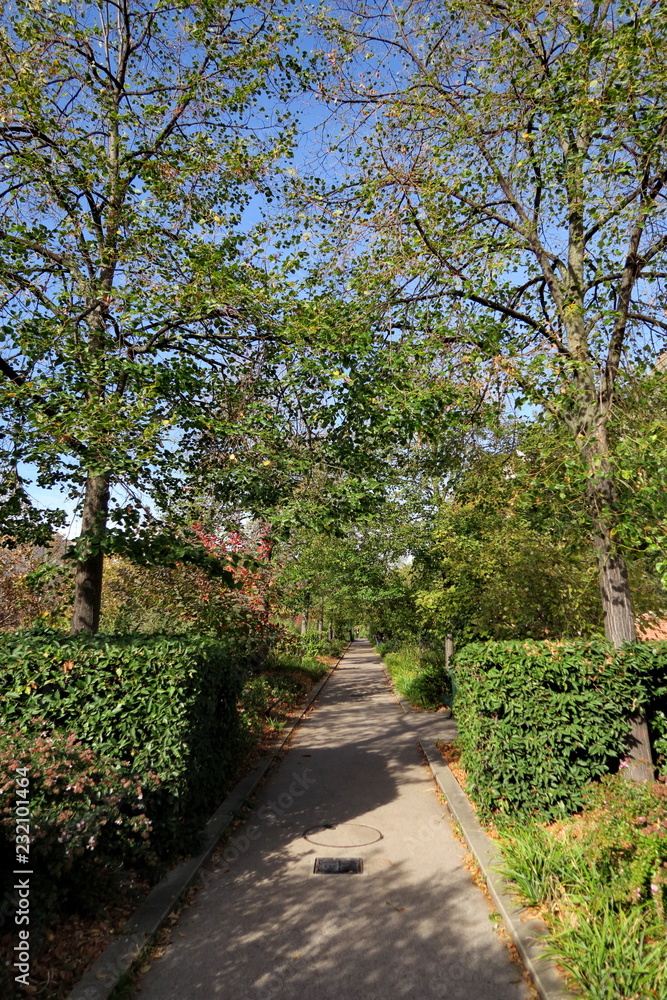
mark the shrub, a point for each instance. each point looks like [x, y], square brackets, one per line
[625, 839]
[164, 704]
[614, 852]
[389, 646]
[658, 726]
[313, 644]
[539, 720]
[87, 820]
[35, 585]
[419, 675]
[266, 696]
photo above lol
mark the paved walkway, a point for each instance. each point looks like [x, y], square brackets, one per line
[413, 925]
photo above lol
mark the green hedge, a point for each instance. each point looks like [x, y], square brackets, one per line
[163, 705]
[540, 720]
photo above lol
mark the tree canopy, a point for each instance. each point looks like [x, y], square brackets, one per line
[484, 246]
[132, 138]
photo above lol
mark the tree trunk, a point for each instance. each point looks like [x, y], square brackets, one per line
[449, 664]
[449, 652]
[88, 581]
[304, 620]
[619, 624]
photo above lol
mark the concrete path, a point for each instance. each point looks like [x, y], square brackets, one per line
[413, 925]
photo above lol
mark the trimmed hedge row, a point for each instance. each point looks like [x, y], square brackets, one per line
[162, 705]
[539, 720]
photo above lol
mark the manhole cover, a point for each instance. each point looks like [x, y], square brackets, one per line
[342, 835]
[338, 866]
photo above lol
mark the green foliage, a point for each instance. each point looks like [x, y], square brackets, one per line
[393, 611]
[312, 644]
[542, 867]
[419, 675]
[21, 523]
[351, 579]
[539, 720]
[322, 577]
[183, 598]
[506, 559]
[602, 876]
[495, 126]
[508, 555]
[126, 274]
[87, 819]
[162, 725]
[308, 665]
[658, 722]
[625, 840]
[164, 704]
[35, 586]
[388, 646]
[615, 955]
[266, 696]
[641, 447]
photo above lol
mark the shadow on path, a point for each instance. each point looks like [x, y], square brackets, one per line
[264, 927]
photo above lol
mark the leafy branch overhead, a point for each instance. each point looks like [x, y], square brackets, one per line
[505, 183]
[131, 141]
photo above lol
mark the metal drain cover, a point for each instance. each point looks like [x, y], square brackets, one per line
[338, 866]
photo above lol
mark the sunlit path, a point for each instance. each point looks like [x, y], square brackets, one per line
[411, 925]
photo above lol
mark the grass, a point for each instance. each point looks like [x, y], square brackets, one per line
[599, 880]
[614, 954]
[419, 675]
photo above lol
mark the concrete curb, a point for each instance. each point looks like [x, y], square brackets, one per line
[121, 956]
[527, 935]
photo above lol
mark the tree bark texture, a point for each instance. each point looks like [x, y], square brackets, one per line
[619, 624]
[88, 580]
[449, 652]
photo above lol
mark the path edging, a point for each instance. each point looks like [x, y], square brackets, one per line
[527, 935]
[121, 956]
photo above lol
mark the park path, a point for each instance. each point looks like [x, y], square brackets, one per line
[412, 925]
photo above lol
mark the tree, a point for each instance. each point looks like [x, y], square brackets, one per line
[355, 576]
[500, 563]
[510, 173]
[131, 140]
